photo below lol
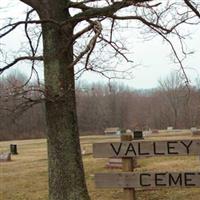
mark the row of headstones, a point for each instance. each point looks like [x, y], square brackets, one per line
[6, 156]
[139, 134]
[195, 131]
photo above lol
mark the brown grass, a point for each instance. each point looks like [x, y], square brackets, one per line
[25, 177]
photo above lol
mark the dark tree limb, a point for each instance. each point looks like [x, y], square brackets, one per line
[27, 33]
[115, 47]
[80, 33]
[187, 81]
[12, 26]
[192, 7]
[32, 48]
[90, 12]
[97, 28]
[32, 3]
[148, 23]
[36, 58]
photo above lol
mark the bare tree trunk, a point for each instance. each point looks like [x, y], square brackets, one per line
[66, 173]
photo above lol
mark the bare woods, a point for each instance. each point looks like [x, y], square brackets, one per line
[100, 106]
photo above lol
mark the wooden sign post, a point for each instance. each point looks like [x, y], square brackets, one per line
[128, 166]
[129, 150]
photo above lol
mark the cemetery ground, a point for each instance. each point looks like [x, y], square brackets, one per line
[25, 177]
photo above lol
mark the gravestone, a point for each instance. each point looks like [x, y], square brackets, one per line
[193, 129]
[147, 133]
[196, 133]
[169, 128]
[114, 163]
[5, 157]
[138, 135]
[13, 149]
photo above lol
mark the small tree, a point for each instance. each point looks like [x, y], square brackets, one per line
[177, 96]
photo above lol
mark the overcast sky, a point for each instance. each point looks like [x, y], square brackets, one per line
[152, 56]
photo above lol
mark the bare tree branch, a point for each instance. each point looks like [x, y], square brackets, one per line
[12, 26]
[187, 81]
[148, 23]
[115, 47]
[91, 12]
[38, 58]
[89, 48]
[27, 34]
[85, 30]
[102, 11]
[192, 7]
[32, 48]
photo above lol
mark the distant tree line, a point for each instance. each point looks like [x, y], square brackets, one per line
[100, 106]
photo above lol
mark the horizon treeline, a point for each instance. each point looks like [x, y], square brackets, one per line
[100, 106]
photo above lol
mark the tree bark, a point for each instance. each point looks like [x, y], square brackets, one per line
[66, 173]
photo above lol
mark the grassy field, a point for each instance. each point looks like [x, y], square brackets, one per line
[25, 177]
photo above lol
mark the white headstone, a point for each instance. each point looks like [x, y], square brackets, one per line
[193, 129]
[4, 157]
[169, 128]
